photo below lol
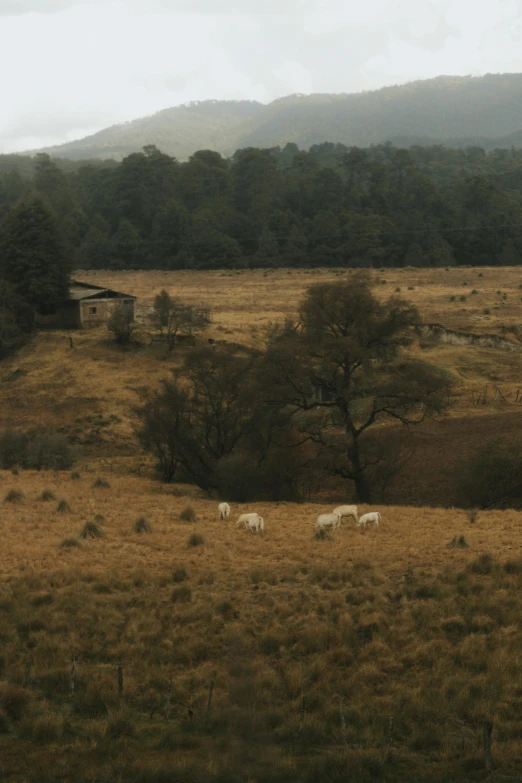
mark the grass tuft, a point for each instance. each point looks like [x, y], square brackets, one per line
[459, 542]
[188, 514]
[179, 575]
[63, 507]
[182, 593]
[101, 483]
[91, 530]
[195, 540]
[14, 496]
[69, 543]
[75, 475]
[47, 494]
[14, 701]
[142, 525]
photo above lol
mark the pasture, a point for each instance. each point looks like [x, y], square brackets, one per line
[366, 655]
[310, 646]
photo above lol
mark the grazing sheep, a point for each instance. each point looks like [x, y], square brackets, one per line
[367, 519]
[328, 521]
[224, 510]
[253, 522]
[244, 518]
[346, 511]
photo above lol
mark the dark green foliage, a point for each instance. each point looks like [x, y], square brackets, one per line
[12, 448]
[33, 258]
[120, 323]
[492, 476]
[14, 701]
[50, 452]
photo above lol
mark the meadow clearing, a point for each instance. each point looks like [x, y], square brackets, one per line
[274, 658]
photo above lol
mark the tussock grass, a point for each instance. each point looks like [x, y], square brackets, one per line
[195, 540]
[188, 514]
[91, 530]
[69, 543]
[47, 495]
[14, 496]
[63, 507]
[101, 483]
[142, 525]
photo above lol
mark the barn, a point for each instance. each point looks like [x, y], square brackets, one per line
[88, 305]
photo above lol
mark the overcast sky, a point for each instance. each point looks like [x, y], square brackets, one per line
[72, 67]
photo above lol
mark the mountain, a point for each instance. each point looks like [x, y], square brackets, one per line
[452, 110]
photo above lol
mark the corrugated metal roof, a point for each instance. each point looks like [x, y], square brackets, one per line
[85, 293]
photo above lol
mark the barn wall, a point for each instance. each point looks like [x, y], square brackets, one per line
[103, 308]
[67, 317]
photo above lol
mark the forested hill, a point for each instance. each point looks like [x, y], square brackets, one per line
[455, 111]
[330, 206]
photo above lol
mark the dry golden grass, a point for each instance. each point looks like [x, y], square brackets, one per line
[395, 623]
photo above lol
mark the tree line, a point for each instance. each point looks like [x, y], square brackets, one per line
[330, 206]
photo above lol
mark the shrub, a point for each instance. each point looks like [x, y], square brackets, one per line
[91, 530]
[90, 705]
[50, 452]
[120, 725]
[195, 540]
[188, 514]
[47, 494]
[75, 475]
[397, 290]
[452, 298]
[142, 525]
[14, 701]
[101, 483]
[458, 541]
[179, 575]
[12, 449]
[69, 543]
[464, 282]
[14, 496]
[472, 514]
[182, 593]
[474, 291]
[491, 477]
[482, 565]
[99, 518]
[462, 298]
[487, 311]
[322, 535]
[63, 507]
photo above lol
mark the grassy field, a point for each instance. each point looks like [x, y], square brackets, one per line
[312, 646]
[365, 656]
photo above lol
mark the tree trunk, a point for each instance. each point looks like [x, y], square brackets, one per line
[362, 486]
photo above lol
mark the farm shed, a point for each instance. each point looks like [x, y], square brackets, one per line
[88, 305]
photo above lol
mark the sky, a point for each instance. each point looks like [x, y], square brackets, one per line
[72, 67]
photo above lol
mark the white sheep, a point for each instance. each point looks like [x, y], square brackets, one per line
[328, 521]
[369, 518]
[245, 518]
[224, 510]
[346, 511]
[252, 521]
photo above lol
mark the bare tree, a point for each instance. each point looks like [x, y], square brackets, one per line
[121, 324]
[173, 317]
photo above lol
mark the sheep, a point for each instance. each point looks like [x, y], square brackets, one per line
[328, 520]
[367, 519]
[346, 511]
[253, 522]
[256, 524]
[245, 518]
[224, 510]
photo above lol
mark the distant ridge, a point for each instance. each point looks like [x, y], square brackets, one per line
[452, 110]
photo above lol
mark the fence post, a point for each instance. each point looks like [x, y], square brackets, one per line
[488, 729]
[73, 676]
[209, 702]
[120, 681]
[27, 673]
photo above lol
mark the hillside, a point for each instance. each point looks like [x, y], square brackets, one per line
[456, 110]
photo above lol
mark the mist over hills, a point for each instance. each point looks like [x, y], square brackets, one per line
[451, 110]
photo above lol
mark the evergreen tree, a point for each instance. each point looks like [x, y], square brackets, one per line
[32, 256]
